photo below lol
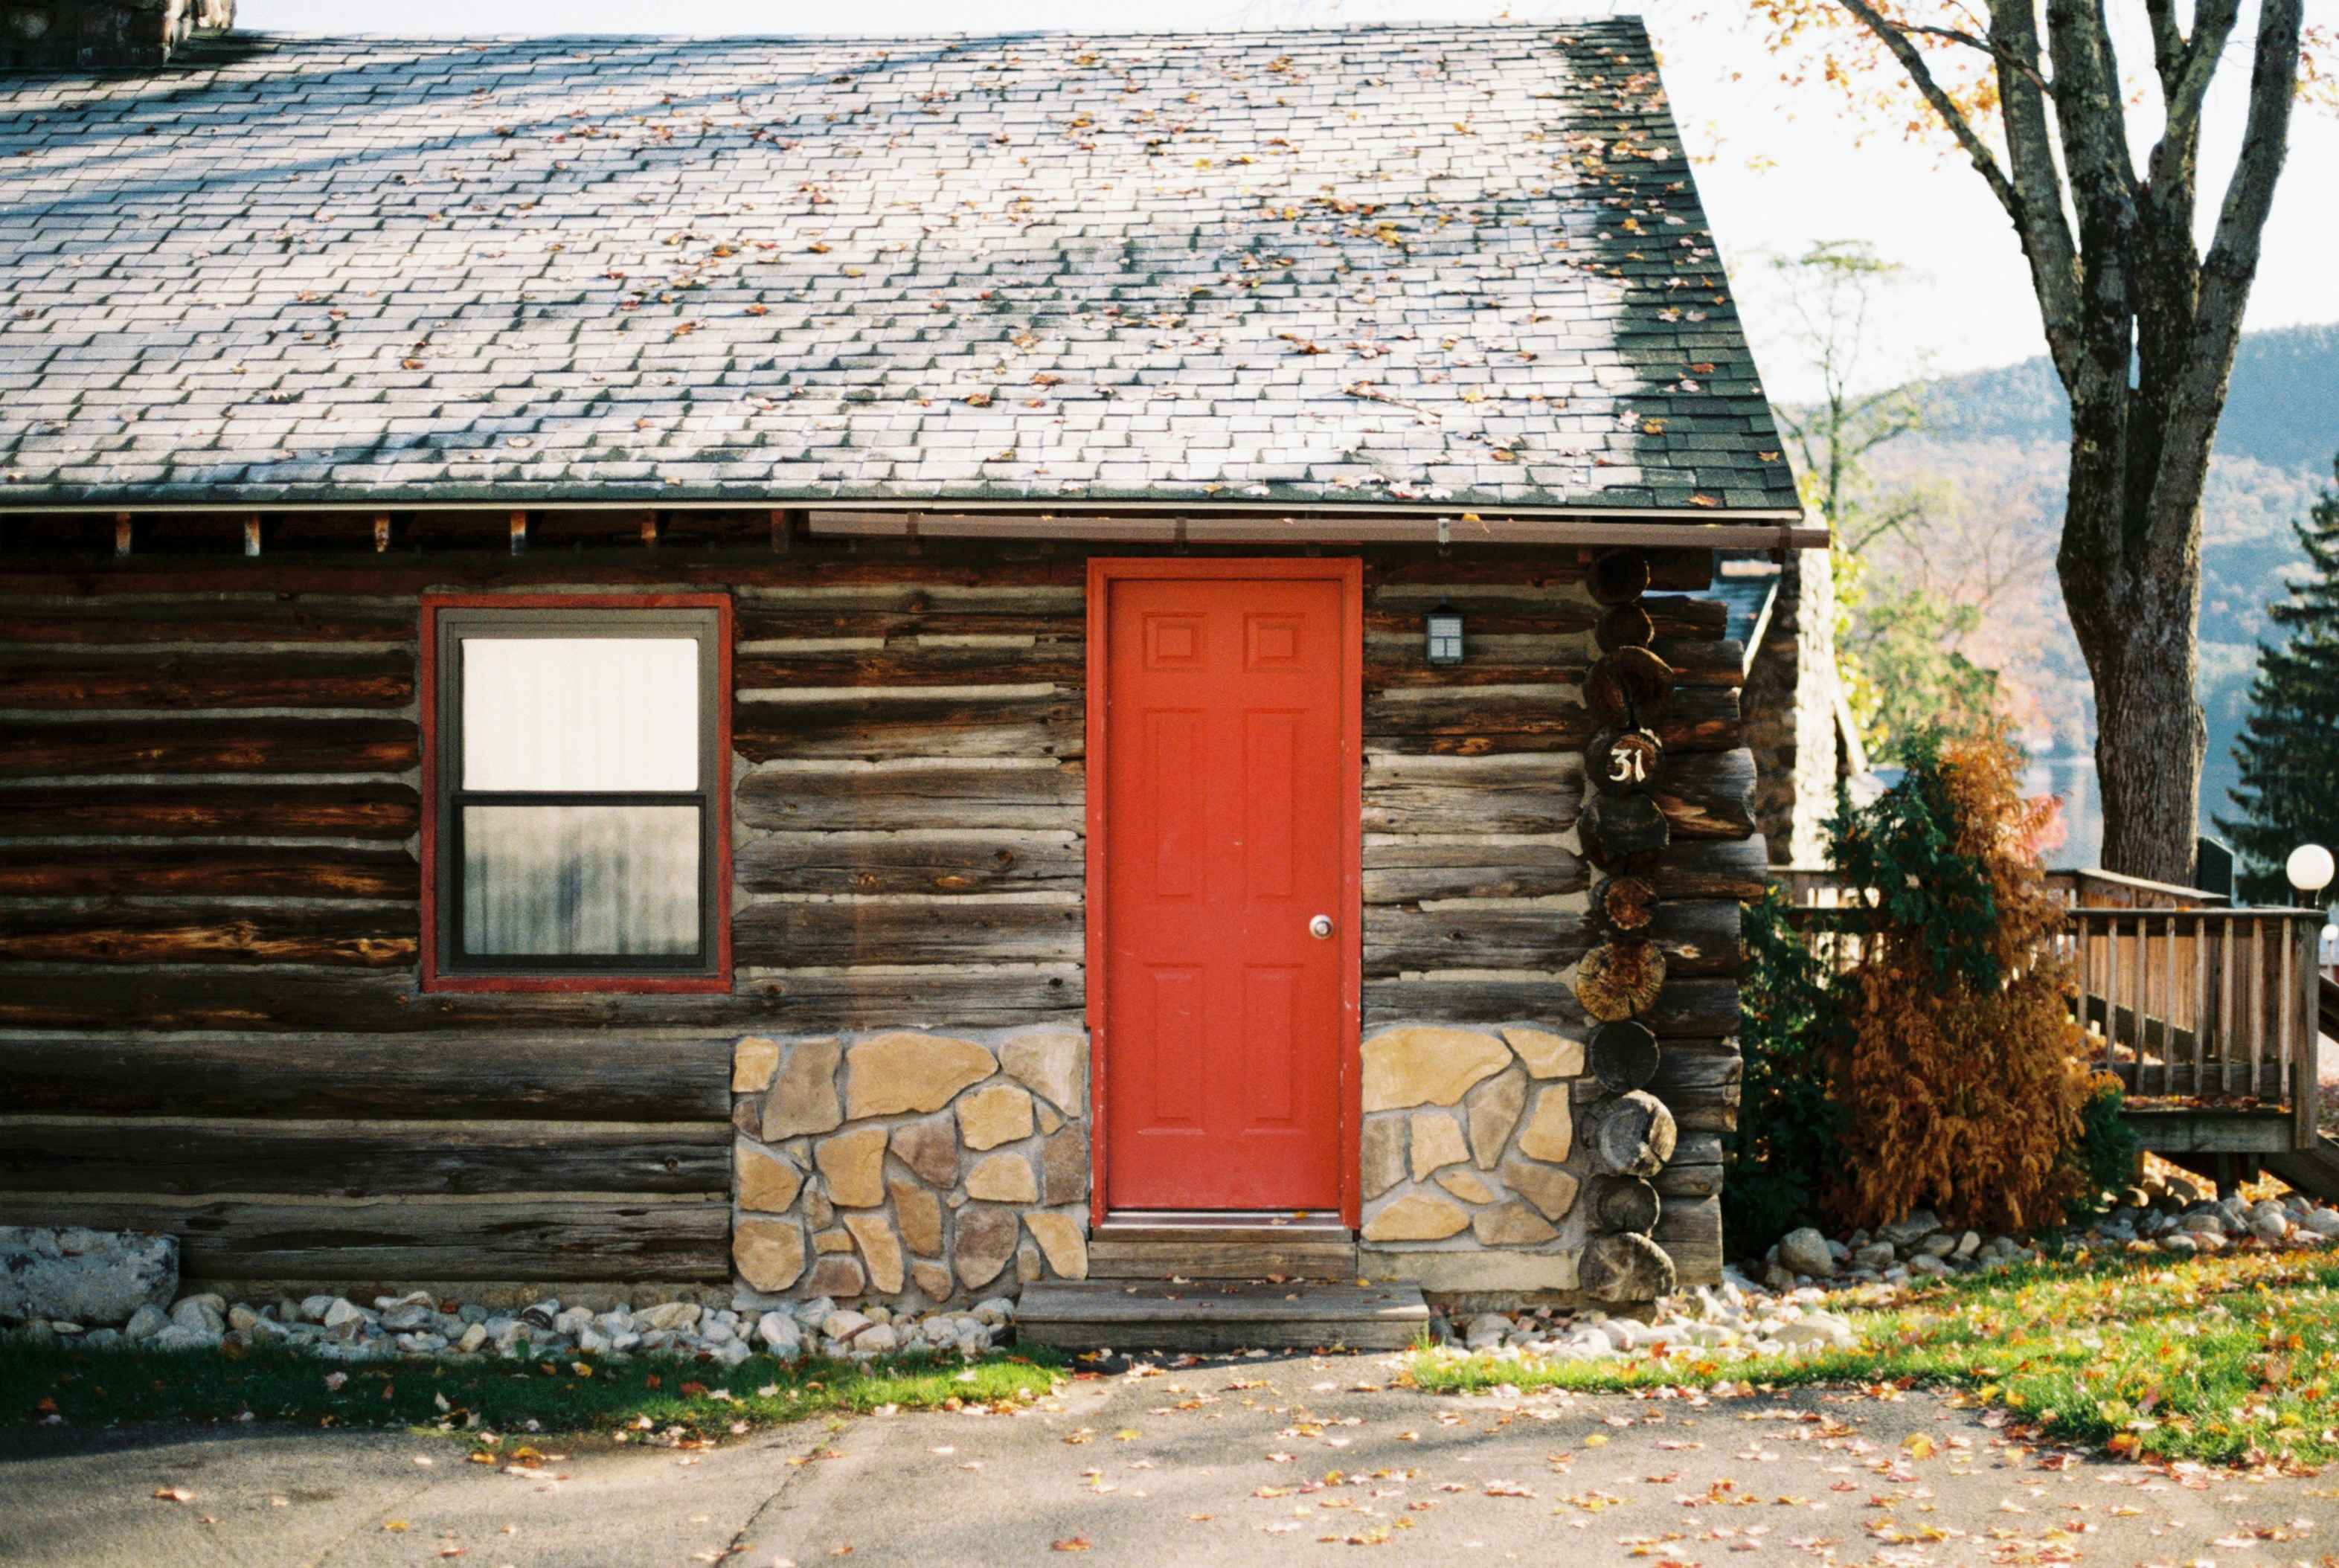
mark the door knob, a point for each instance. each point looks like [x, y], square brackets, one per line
[1320, 927]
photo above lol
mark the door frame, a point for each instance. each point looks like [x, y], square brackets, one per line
[1348, 574]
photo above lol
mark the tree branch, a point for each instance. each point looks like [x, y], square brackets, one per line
[2185, 86]
[2227, 272]
[1959, 35]
[2037, 182]
[2167, 43]
[1896, 39]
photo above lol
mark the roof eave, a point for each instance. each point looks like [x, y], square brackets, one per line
[1165, 519]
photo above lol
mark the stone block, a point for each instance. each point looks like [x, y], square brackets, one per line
[91, 1278]
[1511, 1223]
[931, 1279]
[1548, 1187]
[1494, 1107]
[754, 1063]
[840, 1275]
[1064, 1239]
[1416, 1218]
[1004, 1178]
[1466, 1185]
[1550, 1131]
[803, 1097]
[853, 1167]
[919, 1215]
[767, 1182]
[1384, 1153]
[1064, 1167]
[1547, 1055]
[985, 1241]
[1052, 1064]
[769, 1254]
[1437, 1142]
[899, 1072]
[1423, 1065]
[991, 1117]
[929, 1146]
[880, 1251]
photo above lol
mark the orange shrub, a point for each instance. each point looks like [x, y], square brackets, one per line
[1962, 1072]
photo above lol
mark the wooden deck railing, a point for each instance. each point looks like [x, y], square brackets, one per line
[2184, 998]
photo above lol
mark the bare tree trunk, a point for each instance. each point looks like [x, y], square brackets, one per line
[2137, 622]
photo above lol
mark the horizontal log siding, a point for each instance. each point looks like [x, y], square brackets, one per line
[209, 932]
[208, 801]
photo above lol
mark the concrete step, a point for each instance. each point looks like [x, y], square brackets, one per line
[1204, 1246]
[1085, 1315]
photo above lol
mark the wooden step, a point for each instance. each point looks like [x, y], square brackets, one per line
[1191, 1245]
[1092, 1314]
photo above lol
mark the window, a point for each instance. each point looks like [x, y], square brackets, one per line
[575, 834]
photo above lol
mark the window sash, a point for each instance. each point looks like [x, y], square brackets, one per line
[613, 622]
[460, 803]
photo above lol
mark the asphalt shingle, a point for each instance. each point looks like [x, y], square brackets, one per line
[1448, 265]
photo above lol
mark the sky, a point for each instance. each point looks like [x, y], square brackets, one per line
[1778, 173]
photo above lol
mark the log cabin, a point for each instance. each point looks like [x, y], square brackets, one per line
[888, 669]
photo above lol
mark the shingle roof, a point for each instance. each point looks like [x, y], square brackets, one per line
[1455, 265]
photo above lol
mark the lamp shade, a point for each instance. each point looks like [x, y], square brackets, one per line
[1441, 629]
[2309, 868]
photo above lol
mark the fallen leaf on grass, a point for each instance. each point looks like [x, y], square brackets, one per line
[174, 1494]
[1072, 1544]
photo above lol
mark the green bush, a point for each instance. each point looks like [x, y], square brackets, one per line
[2108, 1147]
[1787, 1150]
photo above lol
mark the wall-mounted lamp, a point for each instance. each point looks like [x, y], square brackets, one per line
[1443, 627]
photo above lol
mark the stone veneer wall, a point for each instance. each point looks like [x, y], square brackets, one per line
[900, 1165]
[1472, 1165]
[102, 34]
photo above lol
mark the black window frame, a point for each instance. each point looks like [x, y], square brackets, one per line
[566, 621]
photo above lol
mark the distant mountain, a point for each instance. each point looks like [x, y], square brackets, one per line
[1990, 465]
[2282, 411]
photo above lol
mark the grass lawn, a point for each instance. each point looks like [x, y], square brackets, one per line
[565, 1396]
[2231, 1359]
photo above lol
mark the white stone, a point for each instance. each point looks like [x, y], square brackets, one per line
[779, 1334]
[1486, 1330]
[82, 1276]
[1805, 1251]
[198, 1316]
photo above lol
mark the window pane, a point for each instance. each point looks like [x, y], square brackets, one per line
[580, 714]
[581, 881]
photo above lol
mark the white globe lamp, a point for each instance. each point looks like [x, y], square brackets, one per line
[2309, 869]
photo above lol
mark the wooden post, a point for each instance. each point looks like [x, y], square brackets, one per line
[2306, 1109]
[2286, 1021]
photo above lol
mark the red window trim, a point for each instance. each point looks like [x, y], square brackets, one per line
[720, 798]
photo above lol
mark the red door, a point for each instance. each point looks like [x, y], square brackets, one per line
[1228, 814]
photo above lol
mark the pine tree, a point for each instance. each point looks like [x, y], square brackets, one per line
[2289, 750]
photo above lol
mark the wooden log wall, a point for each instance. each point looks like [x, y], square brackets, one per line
[208, 809]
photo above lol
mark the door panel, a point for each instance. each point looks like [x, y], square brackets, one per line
[1225, 830]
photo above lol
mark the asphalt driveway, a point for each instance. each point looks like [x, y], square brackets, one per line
[1238, 1463]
